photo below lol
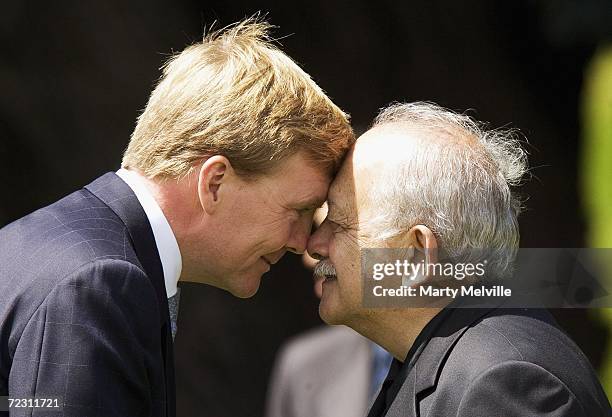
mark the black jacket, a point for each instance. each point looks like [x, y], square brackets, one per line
[83, 308]
[492, 362]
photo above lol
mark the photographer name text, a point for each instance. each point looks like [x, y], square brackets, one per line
[433, 291]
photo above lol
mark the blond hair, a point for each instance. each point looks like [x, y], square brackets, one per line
[236, 94]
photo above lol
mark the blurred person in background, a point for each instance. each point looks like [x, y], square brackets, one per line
[228, 161]
[432, 180]
[330, 371]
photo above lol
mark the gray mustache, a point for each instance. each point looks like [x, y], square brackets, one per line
[324, 268]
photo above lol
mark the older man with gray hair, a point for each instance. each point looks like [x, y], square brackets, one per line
[437, 184]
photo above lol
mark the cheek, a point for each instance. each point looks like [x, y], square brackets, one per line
[346, 258]
[269, 237]
[278, 231]
[343, 253]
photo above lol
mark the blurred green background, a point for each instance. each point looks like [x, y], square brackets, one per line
[596, 172]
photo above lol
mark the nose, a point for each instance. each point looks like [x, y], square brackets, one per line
[299, 235]
[318, 244]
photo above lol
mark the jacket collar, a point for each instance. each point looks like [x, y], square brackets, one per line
[422, 370]
[117, 195]
[436, 351]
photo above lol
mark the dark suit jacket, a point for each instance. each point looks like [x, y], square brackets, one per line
[83, 309]
[492, 362]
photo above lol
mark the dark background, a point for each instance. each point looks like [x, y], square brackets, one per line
[74, 74]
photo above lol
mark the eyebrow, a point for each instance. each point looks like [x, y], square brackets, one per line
[338, 211]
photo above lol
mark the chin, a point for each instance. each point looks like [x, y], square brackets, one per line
[245, 287]
[330, 313]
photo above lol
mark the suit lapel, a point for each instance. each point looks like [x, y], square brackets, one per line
[429, 364]
[428, 360]
[405, 408]
[390, 387]
[117, 195]
[121, 199]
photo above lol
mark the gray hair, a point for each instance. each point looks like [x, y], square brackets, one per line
[458, 185]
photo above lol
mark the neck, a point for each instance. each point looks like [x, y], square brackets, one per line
[176, 200]
[395, 329]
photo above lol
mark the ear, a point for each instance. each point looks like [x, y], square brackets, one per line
[425, 242]
[213, 177]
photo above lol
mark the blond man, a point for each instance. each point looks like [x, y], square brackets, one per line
[228, 161]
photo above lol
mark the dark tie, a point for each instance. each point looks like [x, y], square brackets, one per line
[173, 307]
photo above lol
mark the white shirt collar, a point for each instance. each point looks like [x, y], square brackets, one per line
[169, 252]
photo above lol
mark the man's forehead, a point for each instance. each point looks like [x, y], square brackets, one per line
[341, 190]
[335, 199]
[371, 155]
[312, 196]
[302, 183]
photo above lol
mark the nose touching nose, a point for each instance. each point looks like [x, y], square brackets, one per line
[317, 246]
[302, 234]
[315, 241]
[298, 240]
